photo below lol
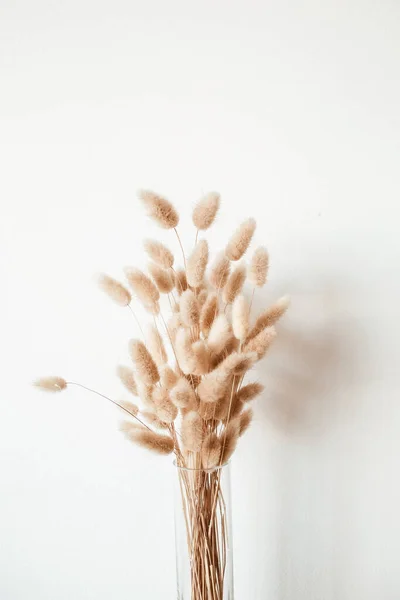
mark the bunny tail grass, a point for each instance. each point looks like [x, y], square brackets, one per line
[51, 384]
[205, 210]
[240, 240]
[159, 253]
[156, 442]
[146, 369]
[115, 290]
[196, 264]
[211, 451]
[259, 267]
[234, 284]
[159, 209]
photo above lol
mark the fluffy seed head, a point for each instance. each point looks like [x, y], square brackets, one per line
[159, 209]
[211, 451]
[156, 346]
[196, 264]
[166, 411]
[261, 342]
[240, 317]
[220, 333]
[151, 419]
[234, 284]
[214, 386]
[127, 378]
[240, 240]
[202, 297]
[229, 439]
[115, 290]
[159, 253]
[174, 323]
[163, 278]
[129, 406]
[168, 377]
[156, 442]
[192, 431]
[259, 267]
[182, 394]
[208, 313]
[238, 363]
[146, 395]
[184, 352]
[190, 312]
[146, 368]
[144, 289]
[219, 272]
[181, 283]
[202, 356]
[245, 420]
[249, 392]
[205, 210]
[51, 384]
[269, 317]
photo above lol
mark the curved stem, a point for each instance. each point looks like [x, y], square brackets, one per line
[110, 400]
[136, 319]
[180, 243]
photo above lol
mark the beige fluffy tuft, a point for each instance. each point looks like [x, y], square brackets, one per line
[156, 346]
[261, 342]
[234, 284]
[208, 313]
[249, 392]
[129, 406]
[202, 356]
[214, 385]
[156, 442]
[159, 209]
[220, 333]
[51, 384]
[219, 271]
[184, 352]
[240, 240]
[152, 419]
[245, 420]
[159, 253]
[115, 290]
[240, 317]
[127, 378]
[165, 409]
[197, 264]
[168, 377]
[181, 283]
[259, 267]
[229, 439]
[190, 312]
[270, 316]
[205, 210]
[144, 289]
[202, 297]
[192, 431]
[182, 394]
[162, 278]
[146, 368]
[211, 451]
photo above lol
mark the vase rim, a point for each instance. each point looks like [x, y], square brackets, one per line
[217, 468]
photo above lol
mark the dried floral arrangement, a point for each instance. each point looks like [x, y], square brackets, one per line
[198, 406]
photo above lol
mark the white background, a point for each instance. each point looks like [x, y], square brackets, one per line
[291, 110]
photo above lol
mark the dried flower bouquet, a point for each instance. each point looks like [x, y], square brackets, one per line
[198, 406]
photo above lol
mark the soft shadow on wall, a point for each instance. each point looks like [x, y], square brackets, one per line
[307, 376]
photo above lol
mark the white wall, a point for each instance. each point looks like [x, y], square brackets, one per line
[290, 110]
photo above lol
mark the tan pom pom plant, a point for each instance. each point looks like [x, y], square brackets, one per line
[188, 373]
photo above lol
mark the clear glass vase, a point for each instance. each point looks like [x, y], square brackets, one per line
[203, 533]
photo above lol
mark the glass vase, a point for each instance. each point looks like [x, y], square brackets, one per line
[203, 533]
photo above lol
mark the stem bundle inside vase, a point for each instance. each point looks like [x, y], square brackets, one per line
[189, 369]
